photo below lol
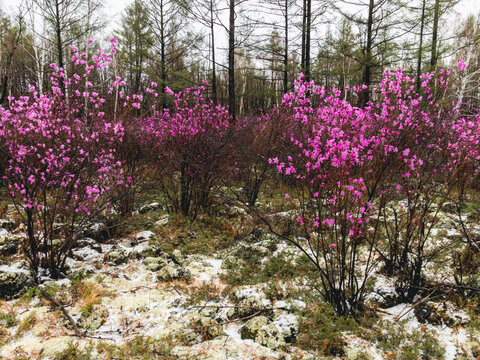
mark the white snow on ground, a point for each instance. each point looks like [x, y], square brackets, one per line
[233, 330]
[356, 344]
[87, 254]
[285, 322]
[144, 235]
[248, 292]
[13, 269]
[211, 271]
[447, 337]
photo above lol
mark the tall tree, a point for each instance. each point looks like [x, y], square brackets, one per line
[136, 41]
[231, 61]
[467, 87]
[10, 37]
[436, 18]
[440, 8]
[172, 40]
[420, 46]
[66, 20]
[205, 13]
[308, 38]
[380, 29]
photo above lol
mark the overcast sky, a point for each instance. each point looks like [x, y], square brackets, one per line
[113, 9]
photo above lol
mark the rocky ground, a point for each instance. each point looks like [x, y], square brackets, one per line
[133, 298]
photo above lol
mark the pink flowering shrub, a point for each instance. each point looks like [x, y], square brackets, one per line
[58, 165]
[360, 175]
[193, 150]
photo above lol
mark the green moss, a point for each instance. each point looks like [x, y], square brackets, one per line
[405, 344]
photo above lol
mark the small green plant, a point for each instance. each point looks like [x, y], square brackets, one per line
[28, 296]
[7, 319]
[204, 235]
[402, 344]
[73, 352]
[204, 293]
[321, 330]
[140, 348]
[26, 324]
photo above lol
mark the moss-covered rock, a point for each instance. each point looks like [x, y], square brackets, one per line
[7, 224]
[117, 255]
[162, 221]
[154, 263]
[248, 307]
[97, 231]
[144, 236]
[244, 250]
[263, 331]
[149, 207]
[173, 272]
[288, 325]
[439, 314]
[95, 317]
[207, 328]
[14, 281]
[8, 245]
[177, 257]
[229, 262]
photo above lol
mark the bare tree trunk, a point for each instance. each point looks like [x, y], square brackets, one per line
[163, 55]
[231, 62]
[58, 35]
[465, 77]
[304, 29]
[214, 74]
[367, 75]
[436, 16]
[308, 40]
[39, 52]
[420, 48]
[285, 58]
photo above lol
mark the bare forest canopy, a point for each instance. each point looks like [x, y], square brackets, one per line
[249, 51]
